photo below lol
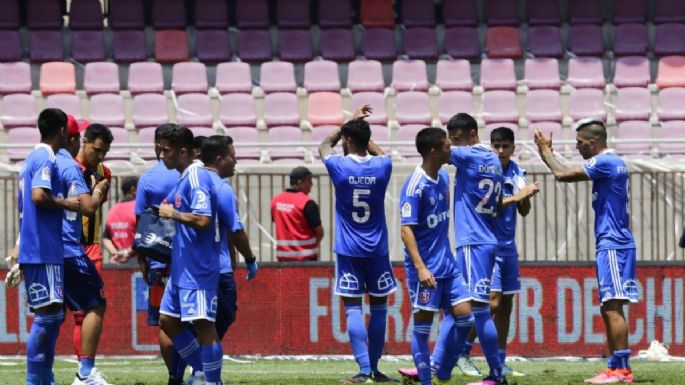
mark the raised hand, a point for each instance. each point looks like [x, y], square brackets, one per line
[363, 112]
[542, 141]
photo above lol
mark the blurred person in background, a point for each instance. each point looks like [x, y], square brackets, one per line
[120, 225]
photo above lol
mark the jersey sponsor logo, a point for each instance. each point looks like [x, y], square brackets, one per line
[45, 174]
[406, 210]
[385, 281]
[425, 297]
[435, 219]
[152, 238]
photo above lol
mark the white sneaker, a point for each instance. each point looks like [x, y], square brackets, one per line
[94, 378]
[509, 371]
[466, 365]
[199, 378]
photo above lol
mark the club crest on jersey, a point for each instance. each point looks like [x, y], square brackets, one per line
[406, 210]
[591, 162]
[45, 174]
[431, 200]
[177, 202]
[424, 297]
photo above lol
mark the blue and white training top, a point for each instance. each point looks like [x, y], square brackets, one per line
[360, 185]
[228, 218]
[610, 200]
[70, 174]
[505, 226]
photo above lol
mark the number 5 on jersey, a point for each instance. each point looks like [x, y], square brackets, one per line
[357, 195]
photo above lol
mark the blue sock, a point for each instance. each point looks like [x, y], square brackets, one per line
[621, 359]
[379, 315]
[85, 365]
[212, 360]
[466, 351]
[37, 348]
[357, 333]
[445, 336]
[461, 329]
[502, 354]
[612, 362]
[487, 335]
[187, 347]
[179, 367]
[55, 323]
[420, 352]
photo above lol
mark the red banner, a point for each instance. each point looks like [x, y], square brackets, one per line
[291, 310]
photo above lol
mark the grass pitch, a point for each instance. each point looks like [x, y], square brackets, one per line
[267, 372]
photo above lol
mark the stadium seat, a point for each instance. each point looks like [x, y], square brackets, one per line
[22, 135]
[673, 129]
[501, 12]
[586, 102]
[277, 77]
[145, 77]
[409, 75]
[283, 134]
[9, 15]
[585, 12]
[254, 46]
[543, 12]
[379, 44]
[633, 129]
[499, 106]
[119, 135]
[545, 41]
[542, 73]
[632, 71]
[238, 110]
[418, 13]
[630, 39]
[376, 100]
[381, 133]
[503, 42]
[586, 72]
[146, 135]
[407, 133]
[336, 44]
[15, 78]
[324, 108]
[108, 109]
[129, 46]
[244, 135]
[632, 103]
[292, 14]
[543, 105]
[69, 103]
[168, 14]
[420, 43]
[150, 110]
[668, 39]
[194, 110]
[281, 109]
[212, 46]
[19, 110]
[547, 128]
[46, 46]
[669, 11]
[252, 14]
[233, 77]
[202, 131]
[412, 108]
[497, 74]
[321, 75]
[335, 14]
[85, 15]
[10, 46]
[211, 14]
[671, 72]
[377, 14]
[43, 15]
[101, 77]
[126, 15]
[57, 78]
[585, 40]
[489, 128]
[171, 46]
[671, 104]
[88, 46]
[459, 13]
[295, 45]
[452, 75]
[630, 11]
[451, 102]
[365, 75]
[188, 77]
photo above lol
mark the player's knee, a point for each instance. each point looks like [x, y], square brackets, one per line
[168, 324]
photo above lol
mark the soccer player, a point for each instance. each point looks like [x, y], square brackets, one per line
[191, 293]
[83, 286]
[361, 177]
[41, 252]
[616, 261]
[433, 280]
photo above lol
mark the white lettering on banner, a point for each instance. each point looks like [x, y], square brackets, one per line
[315, 310]
[663, 311]
[5, 337]
[532, 287]
[678, 301]
[339, 334]
[565, 285]
[591, 311]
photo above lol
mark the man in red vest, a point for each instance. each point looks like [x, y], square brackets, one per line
[297, 219]
[120, 225]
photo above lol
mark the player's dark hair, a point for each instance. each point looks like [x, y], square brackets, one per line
[97, 131]
[128, 183]
[179, 137]
[358, 130]
[429, 138]
[462, 122]
[594, 129]
[163, 128]
[198, 140]
[212, 147]
[228, 139]
[50, 121]
[502, 134]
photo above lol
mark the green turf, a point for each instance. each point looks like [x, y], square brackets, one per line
[152, 372]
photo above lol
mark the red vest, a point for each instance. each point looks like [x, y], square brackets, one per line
[121, 224]
[295, 240]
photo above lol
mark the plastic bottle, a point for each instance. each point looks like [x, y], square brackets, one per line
[71, 215]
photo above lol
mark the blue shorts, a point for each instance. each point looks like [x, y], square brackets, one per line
[506, 276]
[43, 283]
[83, 286]
[189, 304]
[449, 292]
[227, 304]
[616, 275]
[476, 263]
[358, 276]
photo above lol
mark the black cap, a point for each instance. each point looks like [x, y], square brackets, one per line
[299, 173]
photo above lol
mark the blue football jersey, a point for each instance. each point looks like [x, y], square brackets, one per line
[477, 191]
[360, 185]
[228, 218]
[610, 200]
[70, 174]
[40, 229]
[514, 178]
[424, 203]
[195, 253]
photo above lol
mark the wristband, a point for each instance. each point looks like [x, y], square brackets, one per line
[98, 191]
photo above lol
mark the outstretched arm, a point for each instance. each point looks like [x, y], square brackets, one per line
[561, 172]
[333, 138]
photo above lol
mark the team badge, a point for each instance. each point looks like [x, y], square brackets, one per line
[177, 203]
[432, 201]
[406, 210]
[424, 297]
[45, 174]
